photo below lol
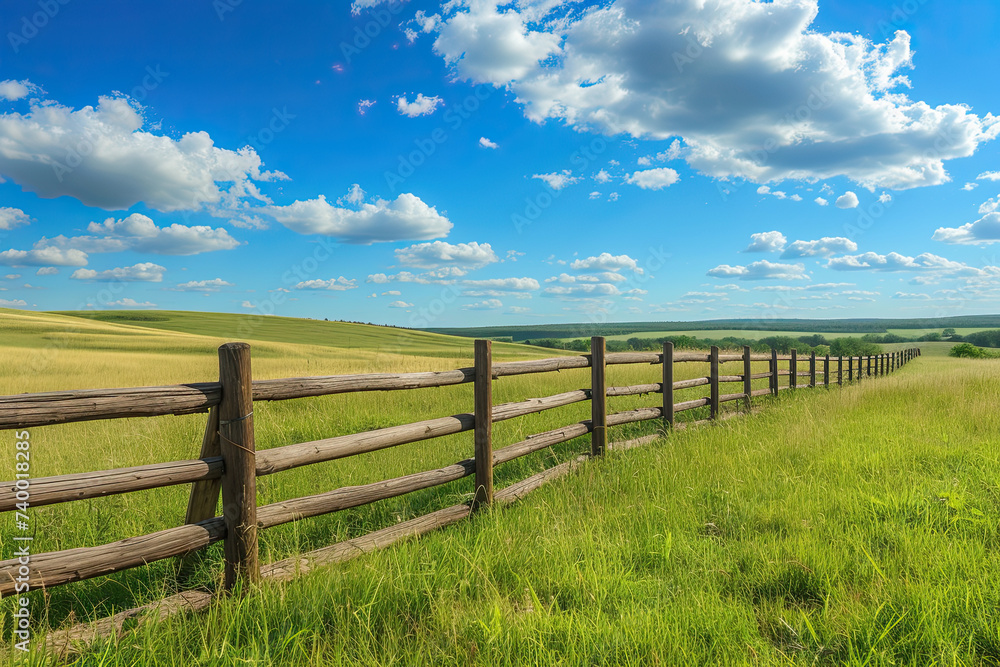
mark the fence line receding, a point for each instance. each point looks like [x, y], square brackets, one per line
[229, 463]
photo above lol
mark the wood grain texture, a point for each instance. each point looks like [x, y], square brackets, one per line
[483, 434]
[204, 497]
[714, 382]
[239, 480]
[668, 384]
[63, 407]
[747, 376]
[80, 486]
[598, 399]
[62, 567]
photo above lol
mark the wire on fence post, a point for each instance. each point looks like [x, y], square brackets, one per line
[238, 449]
[668, 384]
[483, 424]
[598, 398]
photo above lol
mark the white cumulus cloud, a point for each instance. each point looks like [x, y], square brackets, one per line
[729, 77]
[145, 272]
[847, 200]
[123, 164]
[339, 284]
[441, 254]
[823, 247]
[654, 179]
[43, 256]
[925, 263]
[127, 302]
[558, 180]
[213, 285]
[421, 106]
[984, 231]
[606, 262]
[12, 217]
[488, 304]
[766, 242]
[406, 218]
[762, 270]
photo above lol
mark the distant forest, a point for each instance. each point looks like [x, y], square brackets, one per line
[848, 326]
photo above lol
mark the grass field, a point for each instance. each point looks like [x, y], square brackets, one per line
[852, 526]
[45, 352]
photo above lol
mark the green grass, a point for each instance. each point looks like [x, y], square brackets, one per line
[340, 335]
[853, 526]
[45, 352]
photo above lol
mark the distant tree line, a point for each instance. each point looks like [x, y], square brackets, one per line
[990, 338]
[848, 327]
[817, 343]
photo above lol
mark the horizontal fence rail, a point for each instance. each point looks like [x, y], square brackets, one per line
[230, 464]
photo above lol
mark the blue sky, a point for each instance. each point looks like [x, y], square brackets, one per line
[466, 163]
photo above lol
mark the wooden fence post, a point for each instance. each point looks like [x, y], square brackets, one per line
[774, 372]
[668, 384]
[598, 398]
[840, 371]
[850, 369]
[714, 382]
[793, 370]
[239, 481]
[812, 370]
[204, 498]
[826, 372]
[869, 366]
[747, 372]
[484, 424]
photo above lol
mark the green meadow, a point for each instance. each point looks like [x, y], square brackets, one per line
[846, 526]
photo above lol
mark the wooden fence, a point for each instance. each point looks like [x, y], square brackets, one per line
[230, 462]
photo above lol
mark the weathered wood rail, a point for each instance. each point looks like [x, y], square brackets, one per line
[230, 464]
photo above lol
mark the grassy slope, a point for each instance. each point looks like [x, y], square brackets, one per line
[342, 335]
[620, 558]
[43, 352]
[853, 527]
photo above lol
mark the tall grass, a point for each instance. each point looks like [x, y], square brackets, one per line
[49, 352]
[845, 527]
